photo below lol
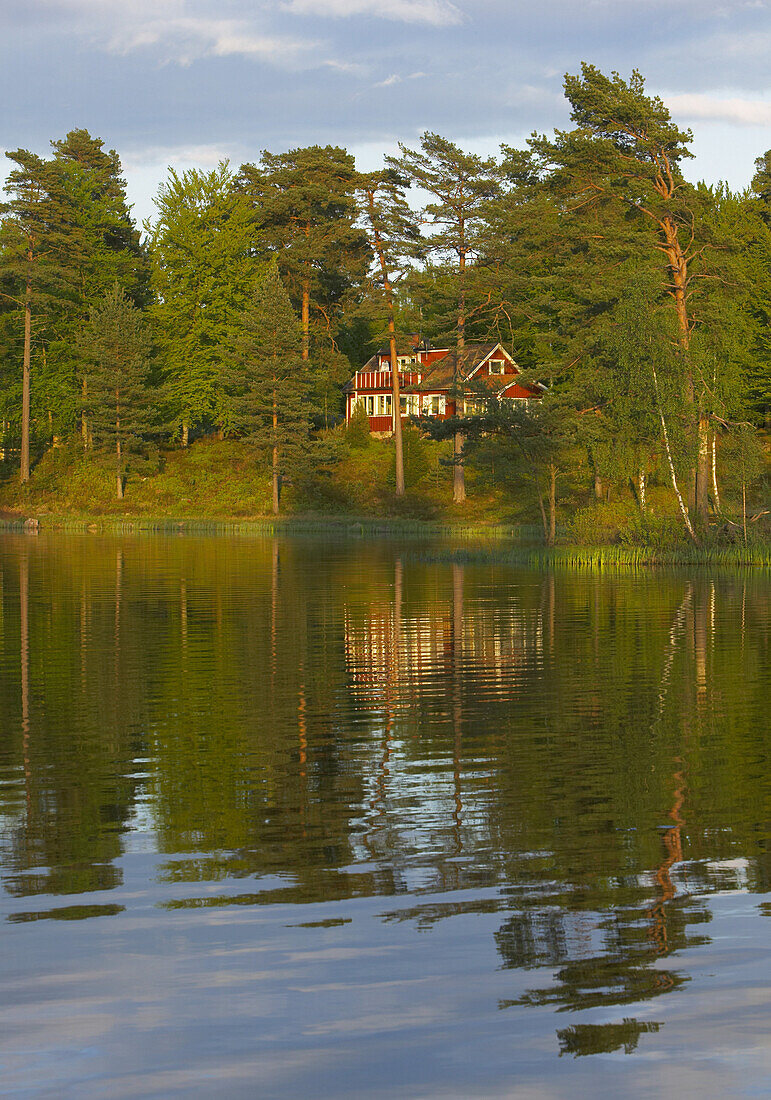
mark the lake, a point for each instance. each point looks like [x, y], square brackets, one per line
[320, 818]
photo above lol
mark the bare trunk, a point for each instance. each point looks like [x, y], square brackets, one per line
[306, 319]
[395, 390]
[458, 472]
[703, 471]
[396, 398]
[715, 491]
[744, 508]
[83, 417]
[678, 266]
[642, 488]
[598, 486]
[668, 449]
[552, 504]
[25, 390]
[185, 433]
[276, 472]
[118, 449]
[543, 515]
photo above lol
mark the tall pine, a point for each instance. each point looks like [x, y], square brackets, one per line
[116, 346]
[270, 383]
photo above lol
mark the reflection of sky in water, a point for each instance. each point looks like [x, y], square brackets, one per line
[281, 821]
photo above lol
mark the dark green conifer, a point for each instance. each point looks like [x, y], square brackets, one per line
[270, 383]
[116, 346]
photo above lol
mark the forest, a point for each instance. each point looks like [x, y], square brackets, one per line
[194, 365]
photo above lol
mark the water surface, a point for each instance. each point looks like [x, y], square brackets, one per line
[288, 817]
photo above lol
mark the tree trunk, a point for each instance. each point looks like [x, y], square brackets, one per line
[744, 507]
[395, 390]
[458, 472]
[118, 448]
[678, 267]
[276, 472]
[715, 491]
[25, 390]
[396, 398]
[83, 416]
[544, 520]
[703, 471]
[642, 486]
[552, 504]
[306, 319]
[668, 449]
[185, 433]
[598, 486]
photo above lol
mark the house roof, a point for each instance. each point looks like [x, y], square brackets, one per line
[457, 366]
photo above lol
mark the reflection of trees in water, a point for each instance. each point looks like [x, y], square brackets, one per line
[577, 752]
[582, 1039]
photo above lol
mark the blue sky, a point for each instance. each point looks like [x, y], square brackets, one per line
[188, 82]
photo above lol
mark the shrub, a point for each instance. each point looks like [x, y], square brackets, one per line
[357, 432]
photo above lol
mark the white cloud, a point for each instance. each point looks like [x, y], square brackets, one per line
[394, 78]
[437, 13]
[744, 112]
[178, 31]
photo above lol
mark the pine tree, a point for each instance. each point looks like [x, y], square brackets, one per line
[462, 185]
[102, 247]
[33, 244]
[626, 149]
[116, 346]
[395, 241]
[270, 383]
[304, 205]
[67, 235]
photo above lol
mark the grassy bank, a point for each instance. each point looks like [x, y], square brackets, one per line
[222, 488]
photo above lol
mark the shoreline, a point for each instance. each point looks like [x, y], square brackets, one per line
[511, 544]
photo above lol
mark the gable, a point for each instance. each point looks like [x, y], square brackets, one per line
[497, 354]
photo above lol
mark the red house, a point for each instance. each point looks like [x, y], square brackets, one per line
[428, 386]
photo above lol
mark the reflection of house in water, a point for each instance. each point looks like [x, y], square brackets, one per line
[393, 657]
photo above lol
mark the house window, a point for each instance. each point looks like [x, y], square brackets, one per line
[370, 405]
[497, 366]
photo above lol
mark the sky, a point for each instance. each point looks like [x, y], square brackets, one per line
[190, 82]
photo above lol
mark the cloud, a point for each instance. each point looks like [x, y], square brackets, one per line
[744, 112]
[178, 31]
[394, 78]
[437, 13]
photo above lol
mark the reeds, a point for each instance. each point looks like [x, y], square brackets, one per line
[606, 558]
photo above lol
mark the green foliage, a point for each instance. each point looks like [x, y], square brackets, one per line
[640, 301]
[116, 345]
[304, 207]
[203, 276]
[357, 432]
[66, 234]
